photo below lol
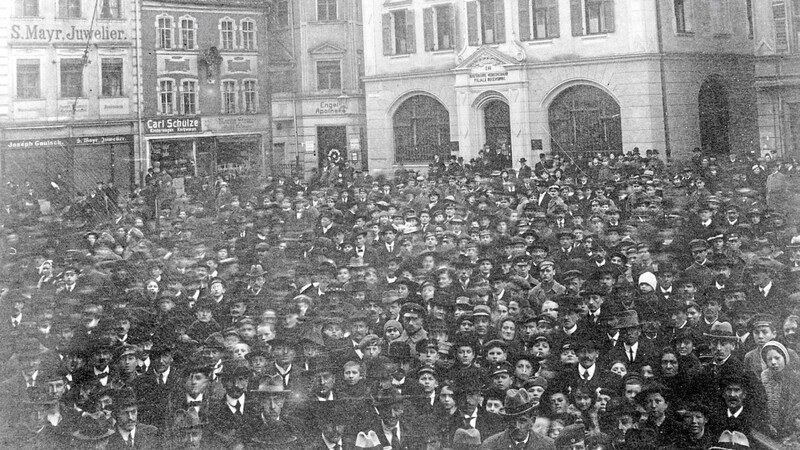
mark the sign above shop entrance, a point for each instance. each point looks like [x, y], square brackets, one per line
[168, 125]
[66, 141]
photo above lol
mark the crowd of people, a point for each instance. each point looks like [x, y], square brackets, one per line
[607, 302]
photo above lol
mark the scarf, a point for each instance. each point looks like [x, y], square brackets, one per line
[773, 385]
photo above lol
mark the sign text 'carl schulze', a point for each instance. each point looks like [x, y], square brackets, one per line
[63, 34]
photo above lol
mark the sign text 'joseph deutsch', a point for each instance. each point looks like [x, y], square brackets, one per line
[174, 125]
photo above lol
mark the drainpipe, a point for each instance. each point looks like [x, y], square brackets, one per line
[139, 96]
[299, 86]
[662, 71]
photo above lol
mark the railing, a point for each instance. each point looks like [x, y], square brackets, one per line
[421, 154]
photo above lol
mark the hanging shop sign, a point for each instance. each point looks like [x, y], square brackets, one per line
[66, 141]
[169, 125]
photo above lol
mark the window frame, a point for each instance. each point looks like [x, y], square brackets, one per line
[184, 31]
[70, 84]
[720, 18]
[170, 94]
[279, 16]
[28, 62]
[224, 93]
[477, 16]
[250, 96]
[70, 9]
[328, 5]
[397, 32]
[165, 35]
[253, 32]
[116, 5]
[183, 92]
[121, 66]
[22, 6]
[223, 33]
[432, 22]
[330, 63]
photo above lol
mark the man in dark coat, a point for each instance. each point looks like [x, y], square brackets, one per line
[154, 388]
[519, 410]
[129, 433]
[228, 416]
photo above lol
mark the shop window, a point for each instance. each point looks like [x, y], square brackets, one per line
[486, 22]
[248, 29]
[166, 97]
[421, 130]
[71, 78]
[250, 91]
[112, 77]
[438, 23]
[326, 10]
[592, 17]
[227, 30]
[538, 19]
[398, 32]
[229, 97]
[27, 8]
[584, 119]
[329, 75]
[188, 33]
[165, 32]
[282, 12]
[683, 16]
[110, 9]
[720, 17]
[28, 79]
[189, 97]
[69, 9]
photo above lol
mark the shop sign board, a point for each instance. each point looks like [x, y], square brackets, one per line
[64, 32]
[65, 141]
[488, 74]
[244, 122]
[168, 125]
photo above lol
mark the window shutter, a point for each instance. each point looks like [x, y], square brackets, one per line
[608, 12]
[386, 23]
[427, 26]
[781, 35]
[553, 25]
[499, 21]
[576, 17]
[524, 20]
[411, 36]
[472, 23]
[453, 26]
[63, 8]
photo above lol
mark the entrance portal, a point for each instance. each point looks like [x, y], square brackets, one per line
[714, 117]
[329, 138]
[497, 126]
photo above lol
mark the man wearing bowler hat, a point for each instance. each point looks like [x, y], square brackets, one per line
[519, 410]
[270, 427]
[228, 415]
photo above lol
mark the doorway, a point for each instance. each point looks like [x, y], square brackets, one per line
[714, 117]
[329, 138]
[497, 126]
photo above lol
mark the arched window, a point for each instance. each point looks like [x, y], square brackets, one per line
[583, 118]
[421, 130]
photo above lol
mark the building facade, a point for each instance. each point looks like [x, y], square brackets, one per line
[777, 50]
[316, 64]
[571, 76]
[68, 92]
[204, 74]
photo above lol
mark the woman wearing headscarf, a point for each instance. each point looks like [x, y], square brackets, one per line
[782, 384]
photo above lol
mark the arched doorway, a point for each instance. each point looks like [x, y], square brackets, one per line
[585, 119]
[421, 130]
[714, 117]
[497, 125]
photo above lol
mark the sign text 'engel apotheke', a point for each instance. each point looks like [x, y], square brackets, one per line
[65, 33]
[174, 125]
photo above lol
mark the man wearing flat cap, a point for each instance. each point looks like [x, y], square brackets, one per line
[519, 410]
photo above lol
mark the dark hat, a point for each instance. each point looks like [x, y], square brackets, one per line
[698, 244]
[627, 319]
[501, 368]
[399, 351]
[721, 330]
[518, 402]
[187, 420]
[235, 368]
[570, 435]
[88, 428]
[271, 385]
[123, 398]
